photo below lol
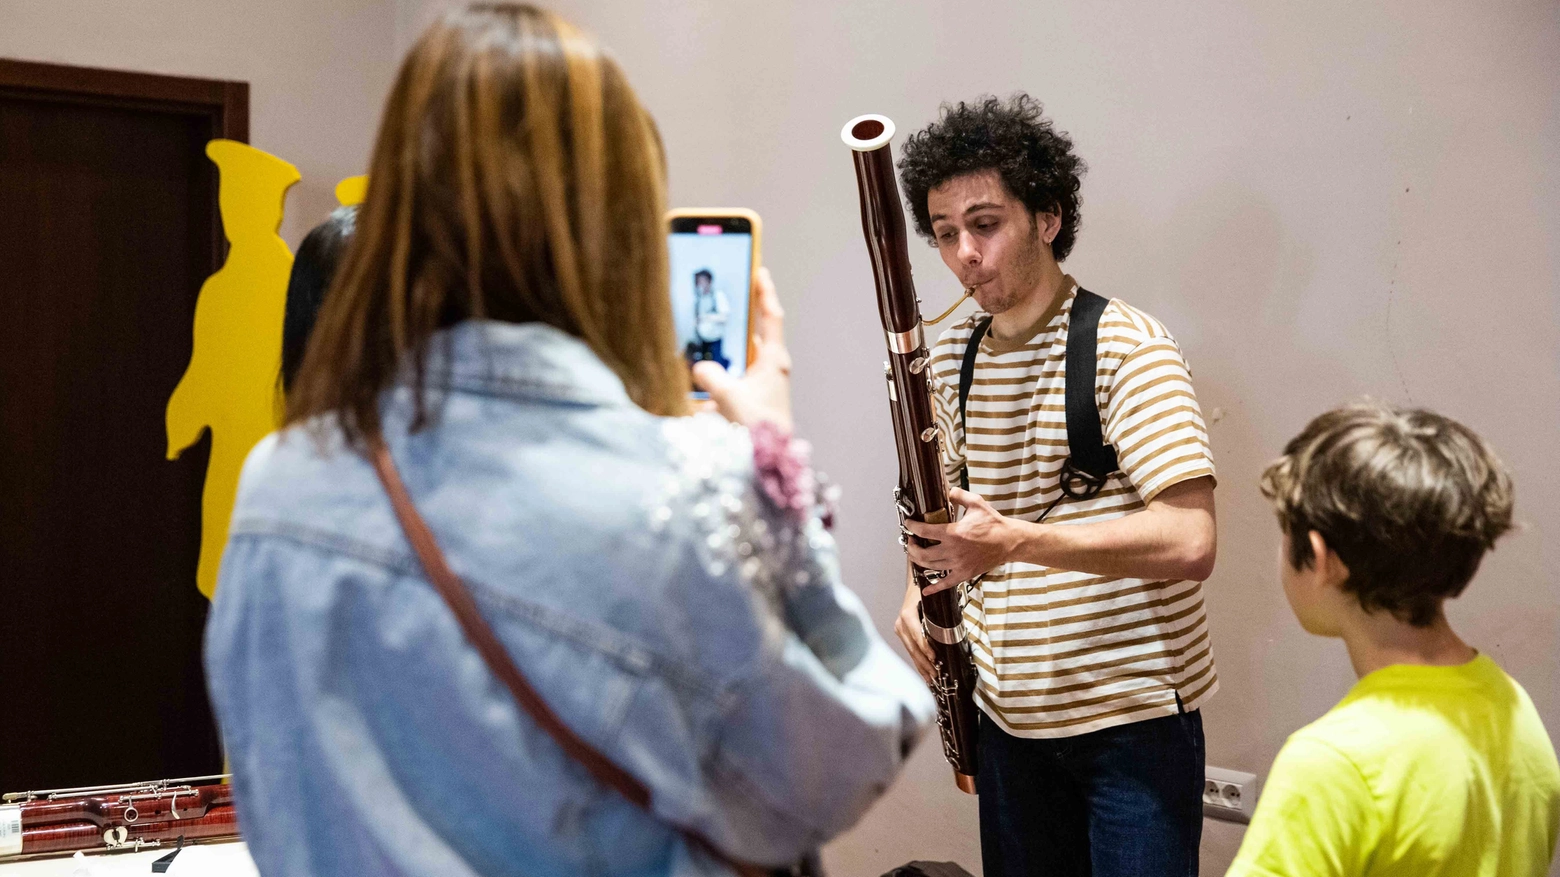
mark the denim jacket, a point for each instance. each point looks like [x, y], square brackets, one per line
[665, 608]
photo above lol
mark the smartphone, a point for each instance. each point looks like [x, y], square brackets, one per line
[714, 254]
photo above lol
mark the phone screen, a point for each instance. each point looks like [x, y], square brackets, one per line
[712, 276]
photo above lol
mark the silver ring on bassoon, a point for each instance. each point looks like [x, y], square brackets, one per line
[948, 636]
[906, 342]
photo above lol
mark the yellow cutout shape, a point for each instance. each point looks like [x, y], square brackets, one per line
[352, 190]
[230, 386]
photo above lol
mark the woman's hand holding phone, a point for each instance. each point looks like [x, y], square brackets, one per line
[764, 392]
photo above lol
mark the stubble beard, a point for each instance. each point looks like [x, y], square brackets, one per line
[1025, 274]
[994, 302]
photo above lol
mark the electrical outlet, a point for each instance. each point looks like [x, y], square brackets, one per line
[1229, 794]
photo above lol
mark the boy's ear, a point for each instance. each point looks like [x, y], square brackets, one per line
[1329, 566]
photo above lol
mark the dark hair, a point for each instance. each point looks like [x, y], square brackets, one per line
[705, 273]
[1035, 161]
[1409, 500]
[313, 268]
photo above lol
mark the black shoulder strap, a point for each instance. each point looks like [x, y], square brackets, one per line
[966, 378]
[1085, 441]
[1086, 446]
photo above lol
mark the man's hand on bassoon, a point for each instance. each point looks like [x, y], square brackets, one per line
[975, 544]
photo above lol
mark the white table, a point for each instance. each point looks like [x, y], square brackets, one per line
[230, 859]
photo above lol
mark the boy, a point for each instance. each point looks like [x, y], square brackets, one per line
[1436, 763]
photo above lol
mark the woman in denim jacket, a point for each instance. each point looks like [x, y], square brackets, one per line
[665, 581]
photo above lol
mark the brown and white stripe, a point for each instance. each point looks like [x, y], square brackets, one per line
[1058, 652]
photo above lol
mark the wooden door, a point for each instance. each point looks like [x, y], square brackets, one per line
[108, 226]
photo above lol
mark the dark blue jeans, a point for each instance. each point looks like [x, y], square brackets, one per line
[1122, 802]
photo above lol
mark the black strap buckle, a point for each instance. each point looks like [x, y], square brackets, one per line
[1079, 484]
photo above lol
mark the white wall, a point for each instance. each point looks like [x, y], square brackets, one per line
[318, 72]
[1321, 200]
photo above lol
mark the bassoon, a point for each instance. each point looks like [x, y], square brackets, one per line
[130, 816]
[922, 493]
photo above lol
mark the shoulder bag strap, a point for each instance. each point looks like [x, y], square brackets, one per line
[966, 379]
[497, 658]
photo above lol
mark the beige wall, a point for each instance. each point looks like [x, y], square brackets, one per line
[317, 71]
[1321, 200]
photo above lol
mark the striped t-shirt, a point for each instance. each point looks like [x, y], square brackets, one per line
[1059, 652]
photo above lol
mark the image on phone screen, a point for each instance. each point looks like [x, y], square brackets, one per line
[712, 271]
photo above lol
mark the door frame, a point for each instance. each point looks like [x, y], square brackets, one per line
[224, 103]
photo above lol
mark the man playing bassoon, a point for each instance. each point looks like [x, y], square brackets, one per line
[1087, 631]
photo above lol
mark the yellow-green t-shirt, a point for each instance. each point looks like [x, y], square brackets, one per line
[1419, 771]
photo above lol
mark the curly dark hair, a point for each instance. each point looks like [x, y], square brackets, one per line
[1035, 161]
[1410, 500]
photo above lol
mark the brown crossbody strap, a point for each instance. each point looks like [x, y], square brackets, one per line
[497, 658]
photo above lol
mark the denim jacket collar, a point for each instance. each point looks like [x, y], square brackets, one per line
[521, 361]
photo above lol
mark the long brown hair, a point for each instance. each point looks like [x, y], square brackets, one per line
[515, 177]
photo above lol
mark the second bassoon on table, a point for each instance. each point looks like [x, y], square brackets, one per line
[125, 817]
